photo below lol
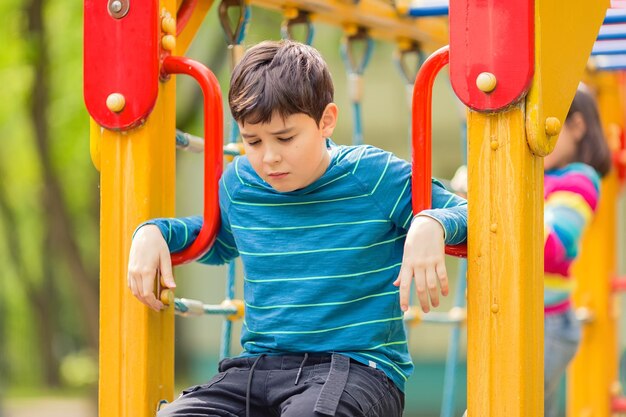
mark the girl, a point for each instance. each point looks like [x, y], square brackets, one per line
[571, 186]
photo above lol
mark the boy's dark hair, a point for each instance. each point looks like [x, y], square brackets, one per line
[283, 77]
[593, 149]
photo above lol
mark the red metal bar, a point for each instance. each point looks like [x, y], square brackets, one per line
[618, 404]
[185, 11]
[213, 130]
[422, 136]
[619, 284]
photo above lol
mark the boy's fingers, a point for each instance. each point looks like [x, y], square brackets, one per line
[165, 266]
[431, 284]
[420, 288]
[147, 293]
[442, 273]
[132, 285]
[404, 280]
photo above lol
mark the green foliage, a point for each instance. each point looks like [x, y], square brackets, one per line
[37, 266]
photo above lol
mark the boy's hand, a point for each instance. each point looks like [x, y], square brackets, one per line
[424, 261]
[149, 255]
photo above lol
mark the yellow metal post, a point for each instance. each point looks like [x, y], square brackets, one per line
[505, 315]
[137, 177]
[592, 377]
[505, 240]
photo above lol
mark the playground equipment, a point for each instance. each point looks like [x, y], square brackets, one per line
[503, 57]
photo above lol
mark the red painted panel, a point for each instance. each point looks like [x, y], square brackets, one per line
[121, 56]
[495, 36]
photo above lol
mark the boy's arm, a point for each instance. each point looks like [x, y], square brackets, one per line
[424, 248]
[450, 211]
[180, 233]
[152, 244]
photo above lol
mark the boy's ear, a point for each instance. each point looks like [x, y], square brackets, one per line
[329, 119]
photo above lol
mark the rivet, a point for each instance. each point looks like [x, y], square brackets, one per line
[168, 42]
[351, 29]
[168, 24]
[494, 144]
[493, 227]
[167, 297]
[291, 13]
[553, 126]
[116, 102]
[486, 82]
[118, 8]
[495, 308]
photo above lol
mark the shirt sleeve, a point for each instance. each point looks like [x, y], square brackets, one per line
[571, 200]
[180, 233]
[390, 179]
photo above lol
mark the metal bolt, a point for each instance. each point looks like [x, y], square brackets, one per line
[553, 126]
[116, 102]
[168, 24]
[486, 82]
[493, 227]
[116, 6]
[494, 144]
[168, 42]
[495, 308]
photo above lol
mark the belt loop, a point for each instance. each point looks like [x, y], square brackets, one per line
[332, 390]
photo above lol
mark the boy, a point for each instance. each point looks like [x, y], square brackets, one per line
[326, 234]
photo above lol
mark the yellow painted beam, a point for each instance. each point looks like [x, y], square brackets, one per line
[137, 178]
[564, 37]
[593, 376]
[384, 20]
[184, 39]
[505, 268]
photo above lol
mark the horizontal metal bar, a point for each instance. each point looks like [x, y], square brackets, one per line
[608, 62]
[428, 11]
[609, 48]
[612, 32]
[382, 19]
[187, 307]
[615, 16]
[454, 316]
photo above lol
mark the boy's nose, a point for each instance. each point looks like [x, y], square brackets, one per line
[271, 156]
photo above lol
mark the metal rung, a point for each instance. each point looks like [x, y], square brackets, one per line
[453, 316]
[186, 307]
[615, 16]
[429, 9]
[614, 47]
[189, 142]
[612, 32]
[608, 62]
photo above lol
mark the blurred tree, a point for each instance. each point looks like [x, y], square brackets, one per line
[48, 193]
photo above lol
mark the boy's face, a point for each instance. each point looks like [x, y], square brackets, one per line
[289, 153]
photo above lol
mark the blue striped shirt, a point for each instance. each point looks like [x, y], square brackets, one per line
[319, 262]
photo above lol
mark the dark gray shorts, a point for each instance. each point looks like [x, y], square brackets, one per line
[326, 386]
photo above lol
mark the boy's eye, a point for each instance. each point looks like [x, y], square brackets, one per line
[285, 139]
[253, 142]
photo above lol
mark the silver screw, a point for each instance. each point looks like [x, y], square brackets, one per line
[116, 6]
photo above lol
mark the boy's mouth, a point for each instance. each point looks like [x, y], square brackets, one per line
[277, 175]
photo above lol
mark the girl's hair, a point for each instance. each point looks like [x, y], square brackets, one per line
[593, 149]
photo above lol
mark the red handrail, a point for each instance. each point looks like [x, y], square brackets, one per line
[185, 11]
[422, 136]
[213, 158]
